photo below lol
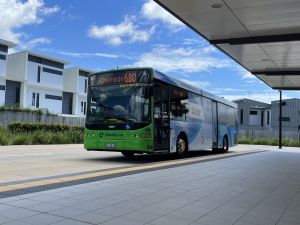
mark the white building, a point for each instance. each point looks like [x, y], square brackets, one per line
[37, 81]
[75, 87]
[4, 46]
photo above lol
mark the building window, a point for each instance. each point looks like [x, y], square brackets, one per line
[83, 107]
[37, 100]
[242, 116]
[39, 75]
[2, 88]
[85, 85]
[253, 112]
[262, 118]
[48, 70]
[286, 119]
[53, 97]
[33, 99]
[3, 57]
[268, 117]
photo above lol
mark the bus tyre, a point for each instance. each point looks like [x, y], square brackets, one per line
[225, 144]
[128, 154]
[181, 147]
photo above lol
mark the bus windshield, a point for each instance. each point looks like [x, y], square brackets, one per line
[119, 104]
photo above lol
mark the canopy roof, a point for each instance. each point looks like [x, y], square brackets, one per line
[261, 35]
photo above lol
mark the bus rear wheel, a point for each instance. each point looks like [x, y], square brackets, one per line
[128, 154]
[225, 145]
[181, 146]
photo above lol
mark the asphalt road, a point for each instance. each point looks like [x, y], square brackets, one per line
[19, 163]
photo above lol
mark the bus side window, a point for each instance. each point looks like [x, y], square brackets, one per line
[179, 104]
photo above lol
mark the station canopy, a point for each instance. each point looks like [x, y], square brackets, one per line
[261, 35]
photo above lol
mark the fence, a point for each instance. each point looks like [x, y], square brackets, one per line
[256, 134]
[7, 117]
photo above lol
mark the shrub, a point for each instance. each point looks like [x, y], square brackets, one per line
[269, 141]
[61, 138]
[40, 137]
[17, 108]
[21, 139]
[4, 136]
[25, 127]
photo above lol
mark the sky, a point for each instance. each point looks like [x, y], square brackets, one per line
[106, 34]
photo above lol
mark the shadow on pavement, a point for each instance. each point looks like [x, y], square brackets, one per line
[140, 159]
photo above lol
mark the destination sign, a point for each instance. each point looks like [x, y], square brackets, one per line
[120, 77]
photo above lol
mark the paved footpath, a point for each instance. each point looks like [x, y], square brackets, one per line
[260, 188]
[23, 162]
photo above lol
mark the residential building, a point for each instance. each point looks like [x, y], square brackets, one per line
[4, 46]
[290, 114]
[253, 115]
[36, 81]
[75, 89]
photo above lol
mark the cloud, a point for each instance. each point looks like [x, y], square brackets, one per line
[34, 42]
[248, 77]
[125, 32]
[16, 13]
[88, 55]
[184, 60]
[152, 11]
[219, 91]
[48, 11]
[198, 83]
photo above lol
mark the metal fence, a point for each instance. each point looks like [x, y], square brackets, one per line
[7, 117]
[256, 134]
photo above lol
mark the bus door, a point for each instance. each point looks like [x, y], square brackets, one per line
[161, 117]
[214, 124]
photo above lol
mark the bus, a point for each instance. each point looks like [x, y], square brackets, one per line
[141, 110]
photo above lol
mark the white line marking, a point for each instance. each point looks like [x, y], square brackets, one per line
[29, 154]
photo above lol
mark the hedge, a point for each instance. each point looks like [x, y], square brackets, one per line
[16, 108]
[24, 127]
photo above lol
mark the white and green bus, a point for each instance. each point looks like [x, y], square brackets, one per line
[141, 110]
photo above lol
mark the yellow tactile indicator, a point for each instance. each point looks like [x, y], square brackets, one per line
[119, 171]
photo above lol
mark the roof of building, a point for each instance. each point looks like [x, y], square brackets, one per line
[81, 68]
[43, 56]
[261, 104]
[7, 43]
[262, 36]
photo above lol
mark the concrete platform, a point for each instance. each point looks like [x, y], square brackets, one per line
[261, 188]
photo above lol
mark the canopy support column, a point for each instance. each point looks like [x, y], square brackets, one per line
[280, 119]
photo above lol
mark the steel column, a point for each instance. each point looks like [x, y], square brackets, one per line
[280, 119]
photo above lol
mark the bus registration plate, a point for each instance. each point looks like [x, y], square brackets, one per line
[111, 145]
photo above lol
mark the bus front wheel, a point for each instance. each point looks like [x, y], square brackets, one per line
[181, 146]
[128, 154]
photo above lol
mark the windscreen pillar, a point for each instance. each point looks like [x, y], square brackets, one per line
[280, 120]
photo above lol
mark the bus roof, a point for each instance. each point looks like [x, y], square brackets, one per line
[188, 87]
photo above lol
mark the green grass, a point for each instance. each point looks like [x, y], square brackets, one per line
[40, 137]
[269, 141]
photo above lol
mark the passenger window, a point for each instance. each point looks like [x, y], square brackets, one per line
[179, 104]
